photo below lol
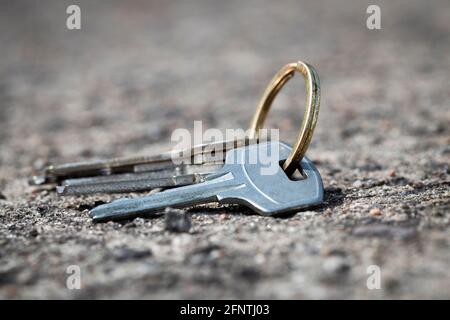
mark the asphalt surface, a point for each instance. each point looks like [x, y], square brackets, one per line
[138, 70]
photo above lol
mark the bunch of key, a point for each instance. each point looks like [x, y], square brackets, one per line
[138, 173]
[227, 172]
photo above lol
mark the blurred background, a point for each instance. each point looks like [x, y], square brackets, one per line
[137, 70]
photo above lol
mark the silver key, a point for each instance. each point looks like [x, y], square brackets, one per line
[238, 182]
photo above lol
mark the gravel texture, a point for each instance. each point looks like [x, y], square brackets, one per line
[137, 70]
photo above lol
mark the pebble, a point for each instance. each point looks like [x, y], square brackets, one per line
[34, 232]
[357, 184]
[335, 269]
[130, 225]
[139, 221]
[375, 212]
[400, 217]
[177, 220]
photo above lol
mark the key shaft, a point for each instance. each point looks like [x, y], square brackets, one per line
[180, 176]
[85, 168]
[180, 197]
[130, 185]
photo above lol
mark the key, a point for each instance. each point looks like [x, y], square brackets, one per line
[177, 171]
[137, 173]
[130, 185]
[199, 154]
[240, 181]
[183, 175]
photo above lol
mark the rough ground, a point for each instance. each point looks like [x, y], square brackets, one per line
[137, 70]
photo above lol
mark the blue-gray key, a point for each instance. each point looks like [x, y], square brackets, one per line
[247, 178]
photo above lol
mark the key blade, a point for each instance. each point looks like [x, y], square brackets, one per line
[177, 171]
[85, 168]
[130, 185]
[167, 165]
[180, 197]
[121, 177]
[133, 182]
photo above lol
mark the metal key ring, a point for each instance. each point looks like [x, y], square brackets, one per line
[309, 117]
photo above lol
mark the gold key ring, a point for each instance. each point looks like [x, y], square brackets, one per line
[309, 117]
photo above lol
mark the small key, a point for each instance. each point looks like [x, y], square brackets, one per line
[240, 181]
